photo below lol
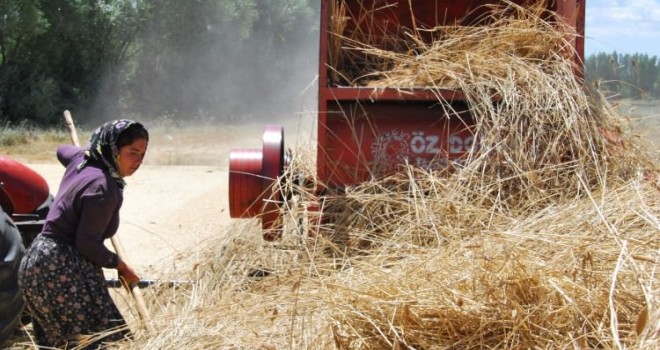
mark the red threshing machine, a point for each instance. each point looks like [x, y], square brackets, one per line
[365, 132]
[24, 204]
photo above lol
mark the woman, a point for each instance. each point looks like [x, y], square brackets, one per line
[61, 273]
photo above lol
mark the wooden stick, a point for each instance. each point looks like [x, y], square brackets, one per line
[119, 249]
[68, 120]
[134, 288]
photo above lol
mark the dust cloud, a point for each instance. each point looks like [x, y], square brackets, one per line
[219, 75]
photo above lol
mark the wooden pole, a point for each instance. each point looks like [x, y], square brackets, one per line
[134, 288]
[68, 120]
[119, 249]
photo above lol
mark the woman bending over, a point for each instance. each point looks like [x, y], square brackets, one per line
[61, 273]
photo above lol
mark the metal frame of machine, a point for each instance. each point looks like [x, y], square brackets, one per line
[366, 132]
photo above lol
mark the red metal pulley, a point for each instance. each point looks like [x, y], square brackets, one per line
[245, 182]
[273, 167]
[253, 174]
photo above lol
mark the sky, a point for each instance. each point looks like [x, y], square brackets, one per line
[624, 26]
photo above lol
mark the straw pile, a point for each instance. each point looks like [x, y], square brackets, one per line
[546, 238]
[504, 42]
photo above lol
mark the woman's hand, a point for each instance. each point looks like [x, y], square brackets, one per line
[127, 275]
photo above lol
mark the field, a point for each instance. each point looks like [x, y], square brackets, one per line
[645, 116]
[176, 227]
[543, 235]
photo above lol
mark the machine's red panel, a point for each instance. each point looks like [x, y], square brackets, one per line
[366, 140]
[365, 132]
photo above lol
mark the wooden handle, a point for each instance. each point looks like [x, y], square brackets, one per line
[135, 290]
[68, 120]
[119, 249]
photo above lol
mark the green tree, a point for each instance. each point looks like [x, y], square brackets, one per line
[19, 21]
[57, 54]
[643, 74]
[148, 58]
[627, 76]
[87, 44]
[21, 90]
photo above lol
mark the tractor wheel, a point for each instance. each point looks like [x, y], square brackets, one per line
[11, 300]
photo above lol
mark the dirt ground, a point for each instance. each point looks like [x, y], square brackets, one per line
[179, 198]
[168, 213]
[172, 205]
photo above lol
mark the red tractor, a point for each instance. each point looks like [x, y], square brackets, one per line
[24, 203]
[367, 132]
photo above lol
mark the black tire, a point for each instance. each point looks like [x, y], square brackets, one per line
[11, 300]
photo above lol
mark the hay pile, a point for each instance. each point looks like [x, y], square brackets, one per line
[506, 40]
[547, 238]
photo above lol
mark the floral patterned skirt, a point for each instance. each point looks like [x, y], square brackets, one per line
[67, 297]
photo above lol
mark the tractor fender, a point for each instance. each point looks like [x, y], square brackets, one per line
[25, 187]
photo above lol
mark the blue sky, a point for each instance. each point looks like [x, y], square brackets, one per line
[627, 26]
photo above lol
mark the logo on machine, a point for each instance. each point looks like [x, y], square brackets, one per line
[460, 144]
[424, 144]
[391, 147]
[431, 144]
[397, 147]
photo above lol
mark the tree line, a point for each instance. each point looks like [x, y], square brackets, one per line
[626, 76]
[140, 58]
[225, 59]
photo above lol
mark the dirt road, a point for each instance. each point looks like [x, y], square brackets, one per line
[168, 213]
[170, 210]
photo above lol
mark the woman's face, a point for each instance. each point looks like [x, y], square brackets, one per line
[130, 157]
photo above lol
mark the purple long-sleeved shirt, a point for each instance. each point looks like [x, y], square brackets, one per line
[85, 211]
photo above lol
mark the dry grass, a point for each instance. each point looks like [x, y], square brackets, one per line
[28, 143]
[546, 238]
[504, 42]
[428, 274]
[169, 145]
